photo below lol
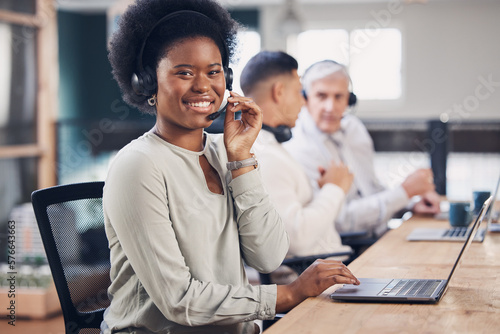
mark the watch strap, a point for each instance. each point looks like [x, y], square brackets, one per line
[233, 165]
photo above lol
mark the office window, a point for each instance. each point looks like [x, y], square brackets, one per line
[28, 96]
[373, 57]
[18, 85]
[249, 46]
[316, 45]
[375, 63]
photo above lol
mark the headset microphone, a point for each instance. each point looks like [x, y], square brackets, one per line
[222, 107]
[214, 115]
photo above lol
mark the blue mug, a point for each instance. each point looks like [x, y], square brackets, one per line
[460, 214]
[479, 197]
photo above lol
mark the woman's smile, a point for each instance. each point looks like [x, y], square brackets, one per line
[200, 106]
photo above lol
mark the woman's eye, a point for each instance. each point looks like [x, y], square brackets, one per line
[214, 72]
[184, 73]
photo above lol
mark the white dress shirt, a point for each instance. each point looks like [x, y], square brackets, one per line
[369, 205]
[309, 217]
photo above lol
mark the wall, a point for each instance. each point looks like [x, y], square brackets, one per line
[91, 112]
[87, 88]
[450, 49]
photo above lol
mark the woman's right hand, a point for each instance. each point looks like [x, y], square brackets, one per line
[240, 134]
[336, 174]
[313, 281]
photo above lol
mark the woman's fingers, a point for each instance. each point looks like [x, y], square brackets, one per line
[242, 103]
[337, 271]
[245, 106]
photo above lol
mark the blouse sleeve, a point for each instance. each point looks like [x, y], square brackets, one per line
[264, 241]
[136, 205]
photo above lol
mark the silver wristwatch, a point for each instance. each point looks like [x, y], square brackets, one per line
[233, 165]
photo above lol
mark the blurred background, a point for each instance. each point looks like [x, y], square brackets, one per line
[426, 73]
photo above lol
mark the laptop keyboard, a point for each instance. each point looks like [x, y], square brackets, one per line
[456, 232]
[421, 288]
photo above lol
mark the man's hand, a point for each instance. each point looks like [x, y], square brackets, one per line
[419, 182]
[429, 204]
[336, 174]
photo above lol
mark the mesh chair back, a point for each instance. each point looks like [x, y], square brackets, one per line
[71, 224]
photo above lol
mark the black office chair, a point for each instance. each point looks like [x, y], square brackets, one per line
[71, 224]
[358, 241]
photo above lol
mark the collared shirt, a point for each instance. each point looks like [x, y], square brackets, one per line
[368, 205]
[309, 217]
[178, 250]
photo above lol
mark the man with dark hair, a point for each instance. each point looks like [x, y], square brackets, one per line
[271, 80]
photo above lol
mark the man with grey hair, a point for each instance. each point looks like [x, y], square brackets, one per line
[325, 133]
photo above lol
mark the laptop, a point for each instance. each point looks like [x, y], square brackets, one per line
[406, 290]
[444, 234]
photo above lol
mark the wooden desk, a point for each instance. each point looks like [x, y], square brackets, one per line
[471, 304]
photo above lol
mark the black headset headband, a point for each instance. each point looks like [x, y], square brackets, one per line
[144, 81]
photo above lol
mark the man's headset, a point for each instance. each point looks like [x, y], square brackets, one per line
[282, 133]
[352, 97]
[144, 80]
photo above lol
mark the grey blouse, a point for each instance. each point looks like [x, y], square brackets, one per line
[177, 249]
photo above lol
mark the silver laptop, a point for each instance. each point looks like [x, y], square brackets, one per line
[406, 290]
[444, 234]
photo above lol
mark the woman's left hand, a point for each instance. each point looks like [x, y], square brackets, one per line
[240, 134]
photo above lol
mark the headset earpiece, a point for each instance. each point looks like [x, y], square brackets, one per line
[228, 74]
[352, 99]
[282, 133]
[144, 82]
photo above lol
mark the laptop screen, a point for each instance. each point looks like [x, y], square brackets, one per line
[470, 235]
[489, 218]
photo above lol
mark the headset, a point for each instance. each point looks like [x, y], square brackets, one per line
[144, 81]
[282, 133]
[352, 97]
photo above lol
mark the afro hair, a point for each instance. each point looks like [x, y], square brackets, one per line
[136, 28]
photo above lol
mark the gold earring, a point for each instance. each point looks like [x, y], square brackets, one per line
[152, 100]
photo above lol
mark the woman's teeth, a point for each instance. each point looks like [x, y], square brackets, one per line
[200, 104]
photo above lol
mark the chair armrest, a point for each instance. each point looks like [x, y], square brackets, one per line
[356, 234]
[311, 258]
